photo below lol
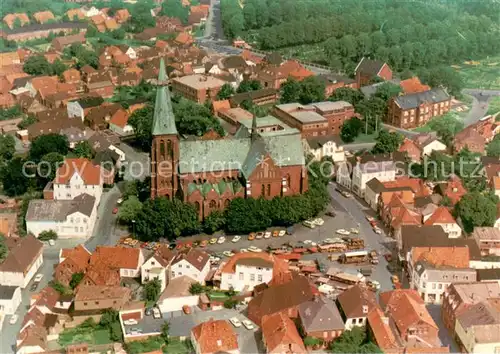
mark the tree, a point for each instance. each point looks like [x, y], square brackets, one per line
[249, 85]
[76, 278]
[27, 121]
[7, 147]
[58, 67]
[152, 290]
[225, 92]
[37, 65]
[14, 177]
[493, 148]
[47, 235]
[83, 149]
[175, 9]
[61, 289]
[350, 130]
[118, 34]
[141, 18]
[129, 210]
[312, 90]
[347, 94]
[4, 251]
[387, 90]
[109, 316]
[165, 331]
[142, 121]
[230, 304]
[476, 209]
[290, 91]
[44, 144]
[387, 142]
[353, 341]
[48, 166]
[214, 221]
[446, 127]
[196, 288]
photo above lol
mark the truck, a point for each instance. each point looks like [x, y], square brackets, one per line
[354, 257]
[355, 243]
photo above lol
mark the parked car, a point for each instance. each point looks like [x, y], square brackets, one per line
[282, 233]
[179, 246]
[236, 322]
[370, 218]
[394, 279]
[276, 233]
[267, 234]
[119, 201]
[149, 311]
[34, 286]
[318, 221]
[236, 238]
[115, 210]
[289, 230]
[343, 232]
[186, 309]
[254, 249]
[52, 242]
[331, 213]
[248, 325]
[38, 278]
[221, 240]
[243, 250]
[228, 253]
[13, 319]
[377, 230]
[388, 257]
[156, 313]
[259, 235]
[130, 322]
[251, 237]
[354, 230]
[309, 224]
[213, 240]
[204, 243]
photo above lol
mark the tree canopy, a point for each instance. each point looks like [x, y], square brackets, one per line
[45, 144]
[387, 142]
[351, 129]
[354, 341]
[309, 90]
[477, 209]
[446, 127]
[225, 92]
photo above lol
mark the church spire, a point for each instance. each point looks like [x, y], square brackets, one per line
[254, 133]
[163, 118]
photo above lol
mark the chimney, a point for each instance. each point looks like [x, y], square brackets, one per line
[365, 309]
[385, 320]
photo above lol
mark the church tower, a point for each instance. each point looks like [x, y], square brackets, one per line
[165, 147]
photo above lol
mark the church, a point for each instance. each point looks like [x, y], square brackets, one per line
[209, 173]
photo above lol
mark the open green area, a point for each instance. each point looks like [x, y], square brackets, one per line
[78, 335]
[483, 74]
[494, 105]
[145, 346]
[365, 138]
[307, 52]
[176, 346]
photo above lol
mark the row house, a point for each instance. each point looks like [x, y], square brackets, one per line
[416, 109]
[355, 304]
[36, 31]
[280, 335]
[375, 187]
[80, 107]
[214, 336]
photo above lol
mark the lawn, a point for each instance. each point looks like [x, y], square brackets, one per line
[78, 335]
[481, 73]
[176, 346]
[364, 138]
[218, 295]
[494, 105]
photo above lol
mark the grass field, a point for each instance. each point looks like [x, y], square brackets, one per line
[177, 347]
[76, 336]
[480, 74]
[494, 105]
[363, 138]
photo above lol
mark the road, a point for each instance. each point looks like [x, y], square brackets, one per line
[480, 101]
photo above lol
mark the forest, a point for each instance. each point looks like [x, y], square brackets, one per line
[408, 35]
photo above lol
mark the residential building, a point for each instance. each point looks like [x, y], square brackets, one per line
[416, 109]
[157, 266]
[69, 218]
[333, 82]
[244, 271]
[453, 190]
[99, 298]
[410, 317]
[459, 297]
[280, 335]
[10, 299]
[197, 87]
[367, 70]
[81, 107]
[127, 260]
[321, 319]
[71, 261]
[477, 329]
[327, 146]
[421, 145]
[488, 239]
[214, 336]
[273, 71]
[431, 281]
[488, 275]
[366, 167]
[257, 97]
[471, 139]
[35, 31]
[381, 333]
[43, 16]
[280, 298]
[10, 19]
[119, 123]
[443, 218]
[177, 295]
[281, 173]
[24, 258]
[355, 304]
[193, 263]
[413, 85]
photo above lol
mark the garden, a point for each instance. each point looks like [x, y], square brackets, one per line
[480, 74]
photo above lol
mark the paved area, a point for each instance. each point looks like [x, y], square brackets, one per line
[137, 163]
[444, 334]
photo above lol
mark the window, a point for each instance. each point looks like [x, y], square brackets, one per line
[173, 274]
[268, 190]
[180, 265]
[241, 276]
[262, 189]
[153, 263]
[252, 277]
[325, 334]
[259, 277]
[84, 304]
[97, 302]
[188, 266]
[434, 285]
[230, 277]
[440, 286]
[179, 274]
[162, 149]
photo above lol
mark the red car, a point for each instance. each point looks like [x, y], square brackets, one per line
[188, 245]
[179, 246]
[115, 210]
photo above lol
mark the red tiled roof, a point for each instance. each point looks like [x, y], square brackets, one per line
[457, 257]
[220, 105]
[111, 24]
[44, 82]
[10, 58]
[80, 255]
[184, 38]
[417, 185]
[215, 336]
[116, 257]
[98, 19]
[440, 216]
[75, 12]
[9, 19]
[122, 15]
[71, 75]
[43, 16]
[383, 335]
[413, 85]
[119, 118]
[279, 330]
[90, 174]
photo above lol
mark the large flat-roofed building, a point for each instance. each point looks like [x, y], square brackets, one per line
[197, 87]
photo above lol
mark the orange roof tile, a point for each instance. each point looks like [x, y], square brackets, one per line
[215, 337]
[279, 330]
[417, 185]
[220, 105]
[43, 16]
[300, 73]
[71, 75]
[111, 24]
[383, 335]
[44, 82]
[11, 18]
[119, 118]
[135, 107]
[98, 19]
[277, 264]
[413, 85]
[72, 13]
[117, 257]
[7, 100]
[457, 257]
[440, 216]
[101, 274]
[91, 174]
[122, 15]
[161, 44]
[80, 255]
[9, 58]
[496, 182]
[184, 38]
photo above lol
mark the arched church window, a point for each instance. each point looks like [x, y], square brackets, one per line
[170, 151]
[268, 190]
[226, 203]
[197, 206]
[262, 189]
[212, 204]
[162, 149]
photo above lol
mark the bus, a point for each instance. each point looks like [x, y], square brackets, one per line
[354, 257]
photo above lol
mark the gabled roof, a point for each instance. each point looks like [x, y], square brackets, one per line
[22, 253]
[414, 100]
[279, 330]
[196, 258]
[80, 255]
[89, 173]
[383, 335]
[413, 85]
[43, 16]
[452, 256]
[440, 216]
[320, 314]
[117, 257]
[369, 66]
[260, 259]
[354, 299]
[215, 337]
[177, 287]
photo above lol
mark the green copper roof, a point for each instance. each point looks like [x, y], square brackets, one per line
[163, 119]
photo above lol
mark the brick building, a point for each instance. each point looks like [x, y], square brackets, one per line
[197, 87]
[368, 69]
[209, 173]
[41, 31]
[416, 109]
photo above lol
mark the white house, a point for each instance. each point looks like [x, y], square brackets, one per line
[129, 51]
[443, 218]
[244, 271]
[325, 146]
[10, 299]
[373, 188]
[78, 176]
[367, 167]
[193, 263]
[157, 266]
[176, 295]
[90, 11]
[119, 123]
[430, 145]
[343, 174]
[356, 303]
[431, 282]
[68, 218]
[23, 260]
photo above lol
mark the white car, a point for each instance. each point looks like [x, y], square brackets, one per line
[267, 234]
[377, 230]
[307, 242]
[13, 319]
[318, 221]
[248, 325]
[314, 244]
[243, 250]
[228, 253]
[343, 232]
[221, 240]
[309, 224]
[327, 241]
[52, 242]
[254, 249]
[370, 218]
[214, 259]
[236, 238]
[119, 201]
[282, 233]
[156, 313]
[354, 230]
[130, 322]
[259, 235]
[38, 278]
[236, 322]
